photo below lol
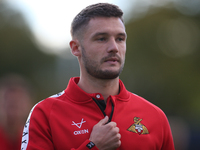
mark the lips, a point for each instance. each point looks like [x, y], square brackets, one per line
[112, 59]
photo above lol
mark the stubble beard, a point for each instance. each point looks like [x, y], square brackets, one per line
[93, 69]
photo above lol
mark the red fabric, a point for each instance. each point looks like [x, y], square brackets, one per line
[8, 144]
[65, 121]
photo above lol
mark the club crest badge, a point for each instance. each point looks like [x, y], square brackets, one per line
[138, 127]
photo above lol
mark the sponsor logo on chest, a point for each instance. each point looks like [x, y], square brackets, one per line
[79, 125]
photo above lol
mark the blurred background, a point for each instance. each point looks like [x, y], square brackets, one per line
[162, 60]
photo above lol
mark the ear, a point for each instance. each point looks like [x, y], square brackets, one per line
[75, 47]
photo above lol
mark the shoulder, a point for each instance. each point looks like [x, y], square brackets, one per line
[50, 100]
[150, 110]
[44, 106]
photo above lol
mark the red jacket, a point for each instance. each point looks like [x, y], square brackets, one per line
[65, 121]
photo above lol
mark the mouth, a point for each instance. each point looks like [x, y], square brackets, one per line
[112, 59]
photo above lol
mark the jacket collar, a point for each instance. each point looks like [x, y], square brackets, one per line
[75, 93]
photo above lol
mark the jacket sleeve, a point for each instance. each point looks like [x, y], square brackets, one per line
[84, 147]
[168, 143]
[37, 132]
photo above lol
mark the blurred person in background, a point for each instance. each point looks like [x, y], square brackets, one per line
[181, 132]
[15, 102]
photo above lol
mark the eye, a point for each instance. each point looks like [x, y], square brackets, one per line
[120, 39]
[101, 39]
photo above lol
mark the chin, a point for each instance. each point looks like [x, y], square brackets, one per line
[107, 74]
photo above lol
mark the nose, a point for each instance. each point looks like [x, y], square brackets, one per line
[112, 46]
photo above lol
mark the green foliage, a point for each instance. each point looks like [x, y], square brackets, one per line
[18, 53]
[162, 64]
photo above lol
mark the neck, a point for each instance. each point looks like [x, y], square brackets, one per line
[106, 87]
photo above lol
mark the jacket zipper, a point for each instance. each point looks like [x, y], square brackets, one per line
[102, 110]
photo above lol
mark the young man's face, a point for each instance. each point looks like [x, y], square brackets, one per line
[103, 47]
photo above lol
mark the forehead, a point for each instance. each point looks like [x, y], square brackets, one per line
[107, 25]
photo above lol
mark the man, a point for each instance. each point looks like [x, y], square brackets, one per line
[95, 111]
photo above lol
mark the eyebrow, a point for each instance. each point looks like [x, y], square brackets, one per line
[99, 33]
[122, 34]
[104, 33]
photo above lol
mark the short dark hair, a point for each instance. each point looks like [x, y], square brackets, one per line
[92, 11]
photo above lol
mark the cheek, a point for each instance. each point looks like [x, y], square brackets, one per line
[90, 57]
[123, 51]
[95, 54]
